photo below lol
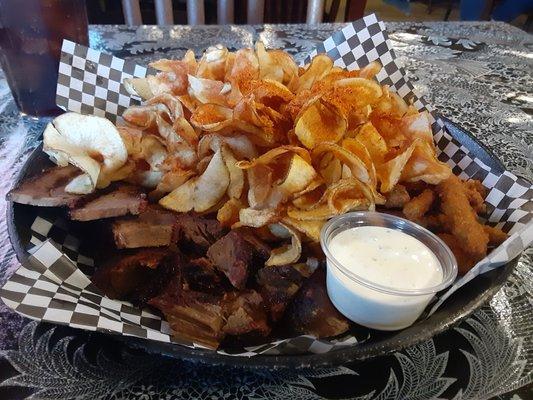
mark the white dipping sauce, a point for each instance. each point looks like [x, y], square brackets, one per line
[385, 257]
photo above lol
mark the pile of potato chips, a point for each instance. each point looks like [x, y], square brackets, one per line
[270, 145]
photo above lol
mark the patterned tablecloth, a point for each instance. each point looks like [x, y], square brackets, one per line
[477, 74]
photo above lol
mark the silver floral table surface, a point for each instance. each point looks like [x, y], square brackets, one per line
[477, 74]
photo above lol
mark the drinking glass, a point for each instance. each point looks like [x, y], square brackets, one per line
[31, 34]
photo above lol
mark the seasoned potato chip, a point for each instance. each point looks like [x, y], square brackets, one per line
[319, 213]
[351, 94]
[212, 117]
[244, 69]
[320, 121]
[185, 131]
[272, 94]
[320, 66]
[374, 143]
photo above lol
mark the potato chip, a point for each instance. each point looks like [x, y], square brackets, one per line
[139, 87]
[272, 94]
[88, 142]
[286, 254]
[356, 147]
[180, 199]
[391, 171]
[171, 102]
[277, 65]
[319, 213]
[271, 155]
[347, 195]
[320, 121]
[212, 184]
[423, 165]
[185, 131]
[370, 71]
[189, 60]
[228, 214]
[257, 218]
[417, 126]
[294, 107]
[310, 199]
[320, 66]
[212, 65]
[144, 117]
[357, 167]
[208, 91]
[169, 181]
[244, 69]
[374, 143]
[299, 175]
[390, 104]
[212, 117]
[236, 175]
[311, 229]
[240, 145]
[351, 94]
[330, 168]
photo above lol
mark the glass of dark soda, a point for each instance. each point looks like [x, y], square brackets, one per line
[31, 34]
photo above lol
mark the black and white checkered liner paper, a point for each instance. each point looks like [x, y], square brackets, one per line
[53, 285]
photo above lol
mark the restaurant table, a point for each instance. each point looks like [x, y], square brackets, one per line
[477, 74]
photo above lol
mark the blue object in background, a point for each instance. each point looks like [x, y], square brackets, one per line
[402, 5]
[507, 10]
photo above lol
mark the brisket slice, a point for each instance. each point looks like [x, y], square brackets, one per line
[261, 249]
[120, 200]
[138, 275]
[47, 189]
[278, 285]
[154, 227]
[245, 314]
[232, 255]
[198, 233]
[312, 313]
[192, 316]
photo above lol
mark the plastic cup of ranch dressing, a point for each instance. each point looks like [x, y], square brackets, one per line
[383, 270]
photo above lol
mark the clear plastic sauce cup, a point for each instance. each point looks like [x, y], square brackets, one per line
[372, 304]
